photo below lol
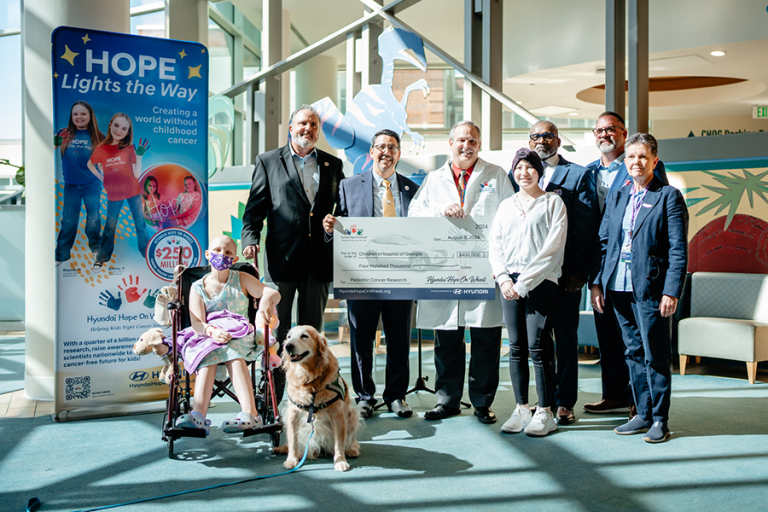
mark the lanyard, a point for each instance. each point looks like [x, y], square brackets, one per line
[637, 203]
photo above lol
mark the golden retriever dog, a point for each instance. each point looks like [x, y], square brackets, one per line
[311, 370]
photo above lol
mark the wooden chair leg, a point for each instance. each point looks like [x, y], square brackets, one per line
[683, 362]
[752, 371]
[698, 359]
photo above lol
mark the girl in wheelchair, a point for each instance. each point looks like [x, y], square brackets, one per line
[224, 289]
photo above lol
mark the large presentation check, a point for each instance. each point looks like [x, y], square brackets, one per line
[412, 258]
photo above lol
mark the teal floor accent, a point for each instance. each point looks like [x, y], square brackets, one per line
[717, 459]
[11, 364]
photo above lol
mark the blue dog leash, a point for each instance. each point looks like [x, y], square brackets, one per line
[34, 503]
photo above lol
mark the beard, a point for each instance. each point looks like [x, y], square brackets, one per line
[606, 147]
[545, 152]
[304, 141]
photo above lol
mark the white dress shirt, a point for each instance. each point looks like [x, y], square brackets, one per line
[380, 191]
[308, 172]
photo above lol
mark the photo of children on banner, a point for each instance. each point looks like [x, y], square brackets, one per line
[153, 203]
[220, 333]
[188, 203]
[117, 163]
[77, 142]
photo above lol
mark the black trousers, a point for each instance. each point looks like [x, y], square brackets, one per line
[565, 324]
[614, 373]
[647, 338]
[529, 321]
[313, 296]
[450, 362]
[363, 323]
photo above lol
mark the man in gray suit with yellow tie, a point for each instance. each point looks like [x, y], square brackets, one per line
[380, 192]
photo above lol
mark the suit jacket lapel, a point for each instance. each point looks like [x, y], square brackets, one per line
[652, 198]
[621, 177]
[366, 184]
[293, 172]
[405, 196]
[558, 176]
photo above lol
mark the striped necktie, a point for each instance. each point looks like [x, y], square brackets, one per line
[462, 186]
[388, 208]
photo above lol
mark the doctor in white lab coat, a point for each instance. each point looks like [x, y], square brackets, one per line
[464, 186]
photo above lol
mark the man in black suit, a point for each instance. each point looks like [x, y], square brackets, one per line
[576, 187]
[294, 188]
[380, 192]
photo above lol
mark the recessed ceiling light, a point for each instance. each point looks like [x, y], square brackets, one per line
[573, 113]
[717, 53]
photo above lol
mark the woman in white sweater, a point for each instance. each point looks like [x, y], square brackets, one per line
[527, 244]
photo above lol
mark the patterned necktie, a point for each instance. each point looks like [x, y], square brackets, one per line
[462, 186]
[389, 202]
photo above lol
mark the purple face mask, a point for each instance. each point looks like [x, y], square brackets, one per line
[221, 262]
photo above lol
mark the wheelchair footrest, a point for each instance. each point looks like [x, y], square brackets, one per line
[176, 432]
[264, 429]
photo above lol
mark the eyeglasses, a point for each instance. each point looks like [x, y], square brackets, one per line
[608, 130]
[390, 147]
[536, 137]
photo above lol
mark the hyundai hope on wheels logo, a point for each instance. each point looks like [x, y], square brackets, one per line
[138, 376]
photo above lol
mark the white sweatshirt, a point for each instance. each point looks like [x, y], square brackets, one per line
[531, 243]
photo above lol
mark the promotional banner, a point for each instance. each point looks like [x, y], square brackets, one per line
[130, 136]
[423, 258]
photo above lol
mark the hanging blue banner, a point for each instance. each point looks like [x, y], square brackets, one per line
[131, 142]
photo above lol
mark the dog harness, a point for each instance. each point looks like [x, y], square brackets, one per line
[338, 386]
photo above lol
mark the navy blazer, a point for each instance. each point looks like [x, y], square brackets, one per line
[295, 245]
[659, 242]
[576, 187]
[622, 176]
[356, 195]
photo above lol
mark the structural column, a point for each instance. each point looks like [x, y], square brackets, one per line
[316, 79]
[187, 20]
[638, 66]
[493, 65]
[473, 59]
[264, 104]
[371, 61]
[615, 34]
[39, 19]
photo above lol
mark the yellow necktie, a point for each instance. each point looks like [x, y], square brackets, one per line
[389, 202]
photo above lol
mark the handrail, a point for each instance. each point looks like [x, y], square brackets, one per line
[11, 198]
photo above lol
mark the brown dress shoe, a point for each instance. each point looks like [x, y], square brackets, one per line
[632, 411]
[565, 416]
[607, 406]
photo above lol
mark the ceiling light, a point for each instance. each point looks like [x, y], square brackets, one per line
[573, 113]
[717, 53]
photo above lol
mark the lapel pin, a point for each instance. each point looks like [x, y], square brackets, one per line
[406, 187]
[326, 164]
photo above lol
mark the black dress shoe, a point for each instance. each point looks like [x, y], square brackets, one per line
[442, 411]
[564, 416]
[485, 415]
[365, 408]
[400, 408]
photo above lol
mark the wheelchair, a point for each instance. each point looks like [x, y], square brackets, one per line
[180, 395]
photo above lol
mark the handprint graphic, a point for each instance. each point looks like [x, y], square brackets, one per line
[132, 293]
[109, 300]
[150, 300]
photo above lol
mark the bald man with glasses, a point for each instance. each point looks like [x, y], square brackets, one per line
[611, 175]
[576, 187]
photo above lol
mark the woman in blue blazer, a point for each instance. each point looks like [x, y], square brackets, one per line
[642, 260]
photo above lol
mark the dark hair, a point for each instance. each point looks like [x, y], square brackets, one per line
[93, 127]
[643, 138]
[125, 141]
[612, 114]
[388, 133]
[531, 157]
[146, 187]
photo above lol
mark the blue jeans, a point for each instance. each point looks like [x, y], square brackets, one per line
[113, 213]
[74, 195]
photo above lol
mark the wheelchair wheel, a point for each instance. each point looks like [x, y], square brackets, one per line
[275, 439]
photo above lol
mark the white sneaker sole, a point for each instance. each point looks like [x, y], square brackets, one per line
[541, 434]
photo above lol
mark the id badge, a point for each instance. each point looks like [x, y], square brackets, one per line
[626, 252]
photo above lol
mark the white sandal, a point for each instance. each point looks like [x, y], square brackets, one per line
[194, 420]
[241, 422]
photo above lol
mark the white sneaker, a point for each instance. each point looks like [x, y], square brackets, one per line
[543, 423]
[520, 419]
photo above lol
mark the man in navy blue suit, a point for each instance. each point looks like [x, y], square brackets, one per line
[611, 175]
[576, 187]
[643, 256]
[380, 192]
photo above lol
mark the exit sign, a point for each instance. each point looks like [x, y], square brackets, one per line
[760, 112]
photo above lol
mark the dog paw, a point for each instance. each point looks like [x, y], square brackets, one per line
[342, 465]
[353, 451]
[291, 463]
[280, 450]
